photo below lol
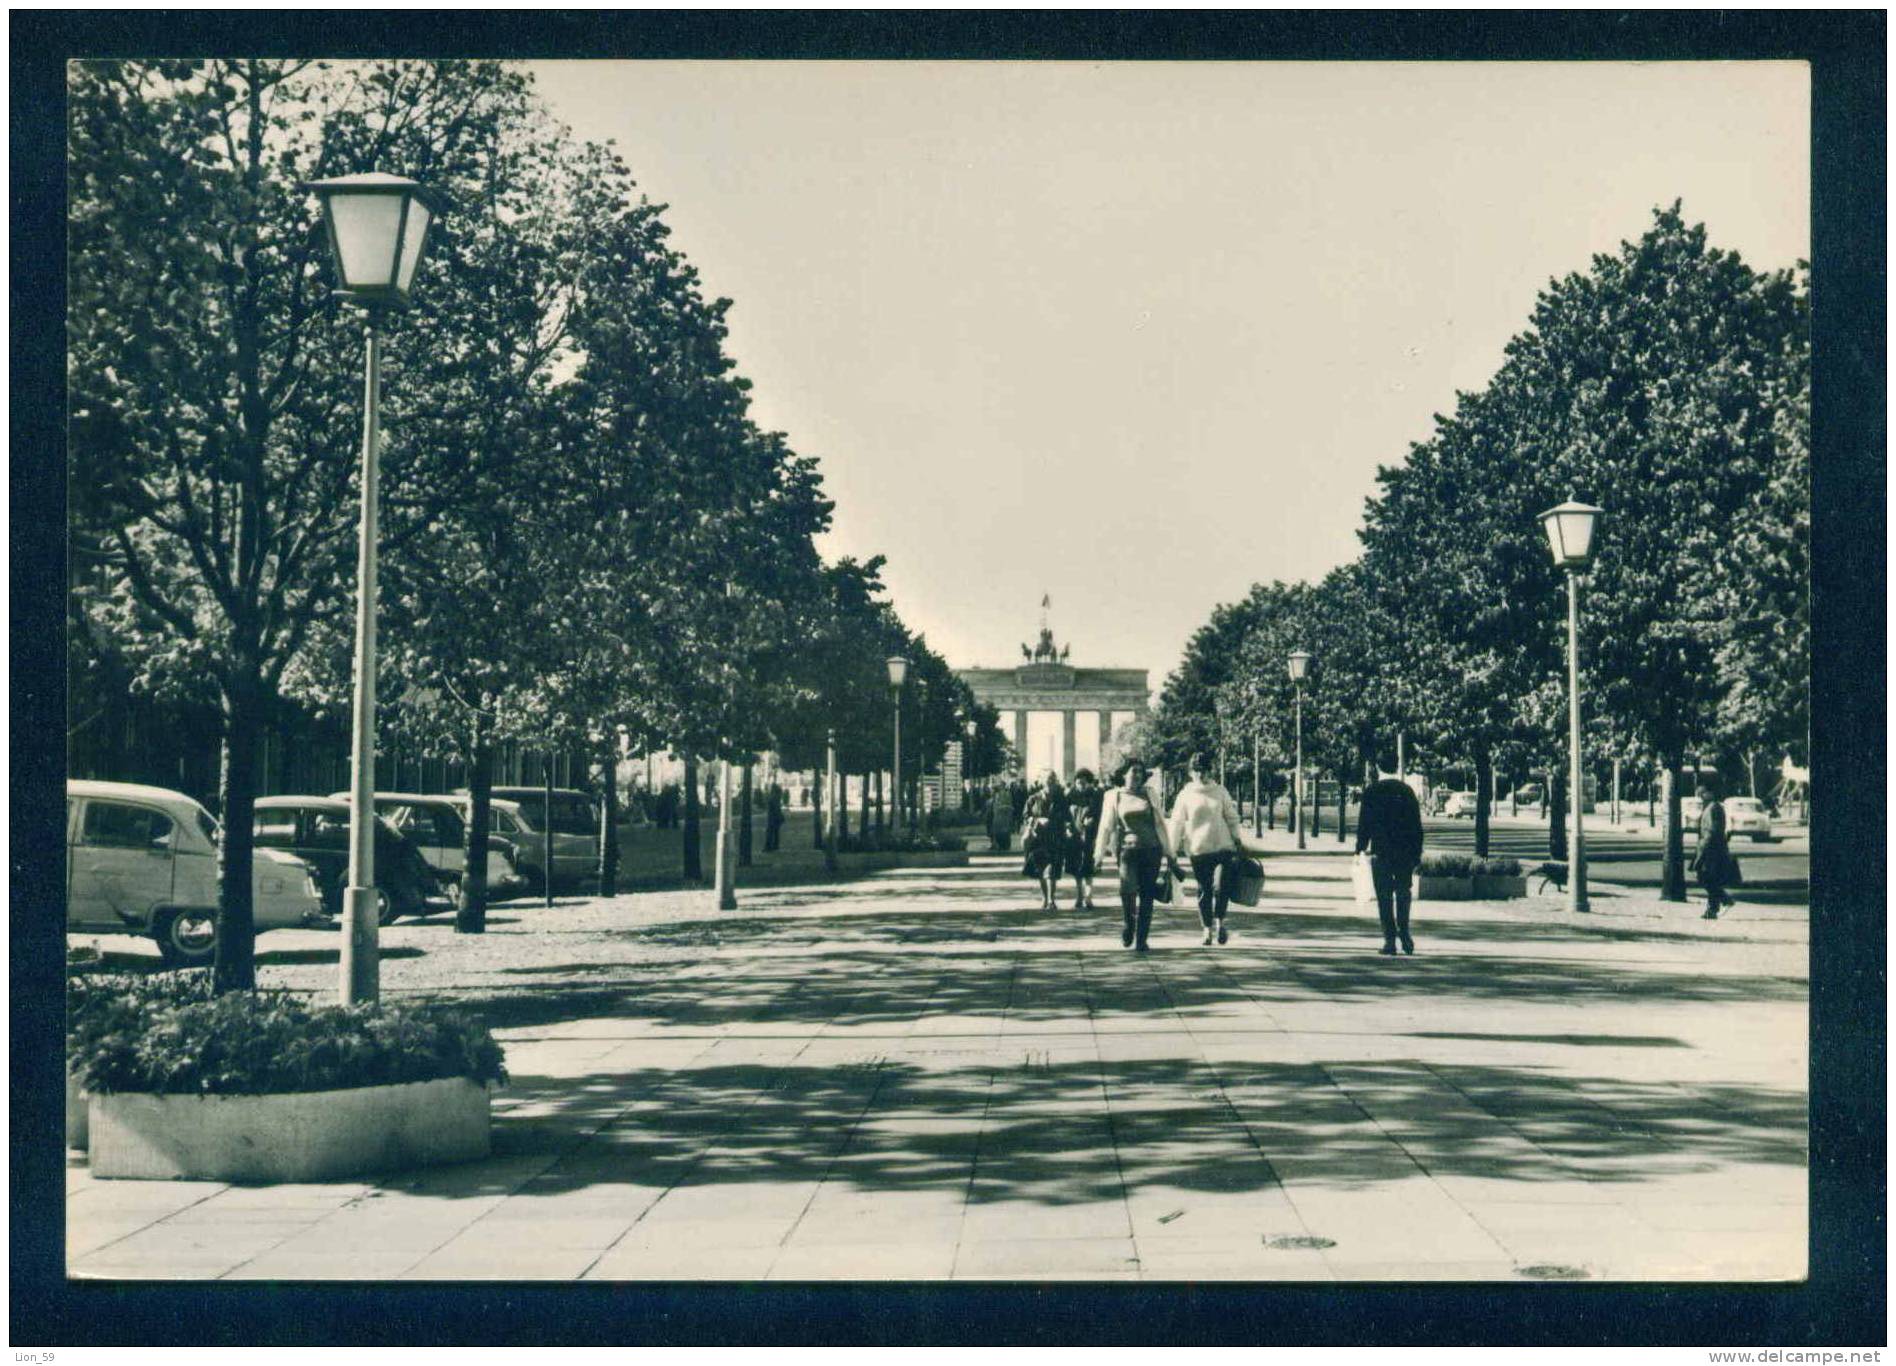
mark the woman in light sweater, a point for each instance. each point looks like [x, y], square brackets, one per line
[1133, 832]
[1205, 828]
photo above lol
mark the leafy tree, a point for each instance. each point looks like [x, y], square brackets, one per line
[214, 409]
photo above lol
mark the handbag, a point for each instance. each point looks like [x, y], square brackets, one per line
[1163, 889]
[1362, 880]
[1247, 880]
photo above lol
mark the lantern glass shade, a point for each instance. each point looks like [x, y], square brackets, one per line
[1299, 666]
[898, 671]
[413, 241]
[378, 230]
[1570, 533]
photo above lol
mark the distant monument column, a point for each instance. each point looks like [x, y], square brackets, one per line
[1105, 743]
[1068, 739]
[1020, 739]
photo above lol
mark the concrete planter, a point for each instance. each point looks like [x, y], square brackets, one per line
[75, 1113]
[1495, 887]
[1445, 888]
[302, 1136]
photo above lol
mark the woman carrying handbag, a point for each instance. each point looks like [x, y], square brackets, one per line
[1132, 831]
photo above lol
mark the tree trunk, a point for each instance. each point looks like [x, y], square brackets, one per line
[819, 813]
[842, 804]
[234, 965]
[694, 865]
[470, 910]
[1557, 822]
[1484, 798]
[880, 824]
[863, 824]
[1270, 810]
[744, 820]
[609, 818]
[1672, 872]
[1342, 810]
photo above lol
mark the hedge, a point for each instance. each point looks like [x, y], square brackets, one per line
[165, 1034]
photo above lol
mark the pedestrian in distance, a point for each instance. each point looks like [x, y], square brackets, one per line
[1044, 835]
[1713, 862]
[773, 819]
[1084, 800]
[1132, 831]
[1206, 828]
[1389, 828]
[1000, 817]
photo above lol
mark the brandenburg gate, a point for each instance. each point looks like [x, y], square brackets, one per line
[1090, 705]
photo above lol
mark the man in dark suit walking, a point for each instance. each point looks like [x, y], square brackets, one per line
[1389, 827]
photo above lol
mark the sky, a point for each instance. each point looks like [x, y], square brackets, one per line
[1136, 336]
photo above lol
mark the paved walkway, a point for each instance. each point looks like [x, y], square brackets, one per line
[913, 1077]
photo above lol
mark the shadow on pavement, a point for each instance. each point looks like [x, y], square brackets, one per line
[1040, 1133]
[857, 980]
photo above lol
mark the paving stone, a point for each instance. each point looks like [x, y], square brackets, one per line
[1049, 1258]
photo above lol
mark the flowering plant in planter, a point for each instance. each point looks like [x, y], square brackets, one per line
[1496, 867]
[1499, 879]
[171, 1037]
[1446, 865]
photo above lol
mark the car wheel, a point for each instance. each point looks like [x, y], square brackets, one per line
[1760, 839]
[386, 912]
[186, 939]
[535, 884]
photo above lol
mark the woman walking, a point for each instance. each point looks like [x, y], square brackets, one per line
[1713, 862]
[1205, 828]
[1131, 830]
[1001, 817]
[1043, 837]
[1085, 800]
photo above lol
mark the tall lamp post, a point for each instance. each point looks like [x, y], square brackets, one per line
[378, 229]
[1299, 669]
[726, 875]
[973, 729]
[1569, 530]
[898, 675]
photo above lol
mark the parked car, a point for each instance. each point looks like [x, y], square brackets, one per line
[519, 815]
[1460, 804]
[143, 860]
[1528, 794]
[1747, 816]
[317, 829]
[434, 825]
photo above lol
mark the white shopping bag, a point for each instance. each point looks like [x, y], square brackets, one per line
[1363, 881]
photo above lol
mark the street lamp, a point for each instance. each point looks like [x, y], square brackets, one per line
[378, 228]
[898, 675]
[967, 802]
[1569, 530]
[1299, 669]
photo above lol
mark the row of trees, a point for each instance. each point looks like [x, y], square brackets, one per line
[1670, 385]
[586, 541]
